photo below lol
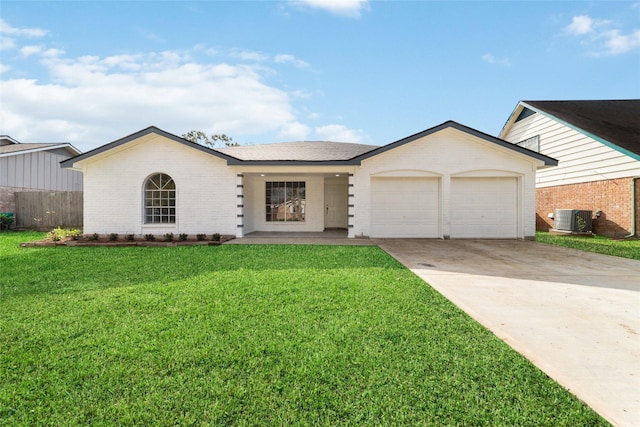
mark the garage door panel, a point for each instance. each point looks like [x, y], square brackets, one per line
[405, 207]
[484, 208]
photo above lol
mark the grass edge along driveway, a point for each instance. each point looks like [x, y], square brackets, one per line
[251, 335]
[624, 248]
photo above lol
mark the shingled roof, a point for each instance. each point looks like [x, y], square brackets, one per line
[15, 148]
[4, 149]
[614, 121]
[305, 151]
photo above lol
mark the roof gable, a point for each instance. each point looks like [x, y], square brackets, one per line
[69, 163]
[305, 153]
[615, 123]
[548, 161]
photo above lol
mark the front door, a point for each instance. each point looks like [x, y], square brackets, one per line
[335, 200]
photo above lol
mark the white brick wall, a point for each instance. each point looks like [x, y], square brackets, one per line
[447, 154]
[206, 189]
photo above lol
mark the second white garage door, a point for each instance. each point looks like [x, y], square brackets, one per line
[405, 207]
[484, 208]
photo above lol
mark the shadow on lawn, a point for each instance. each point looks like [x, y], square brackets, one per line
[58, 270]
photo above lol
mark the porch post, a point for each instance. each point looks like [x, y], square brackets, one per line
[240, 205]
[351, 207]
[445, 191]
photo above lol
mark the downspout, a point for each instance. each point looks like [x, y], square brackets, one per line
[634, 189]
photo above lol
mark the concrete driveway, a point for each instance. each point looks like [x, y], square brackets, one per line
[575, 315]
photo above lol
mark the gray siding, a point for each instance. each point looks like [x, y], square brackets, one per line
[38, 171]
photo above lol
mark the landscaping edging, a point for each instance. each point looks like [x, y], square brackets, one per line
[145, 243]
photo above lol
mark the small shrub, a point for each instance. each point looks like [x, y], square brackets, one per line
[149, 237]
[94, 236]
[168, 237]
[6, 219]
[60, 233]
[216, 237]
[130, 237]
[201, 237]
[183, 236]
[56, 234]
[113, 237]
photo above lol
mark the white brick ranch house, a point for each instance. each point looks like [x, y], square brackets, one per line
[449, 181]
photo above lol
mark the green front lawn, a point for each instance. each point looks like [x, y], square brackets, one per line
[597, 244]
[250, 335]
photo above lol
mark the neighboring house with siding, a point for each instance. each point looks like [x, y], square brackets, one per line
[34, 167]
[449, 181]
[597, 144]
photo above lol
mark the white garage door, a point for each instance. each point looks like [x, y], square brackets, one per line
[484, 208]
[405, 207]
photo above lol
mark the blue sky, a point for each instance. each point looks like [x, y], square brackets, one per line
[268, 71]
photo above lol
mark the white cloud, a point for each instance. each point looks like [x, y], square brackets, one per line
[7, 43]
[349, 8]
[339, 133]
[600, 39]
[153, 37]
[30, 50]
[290, 59]
[248, 55]
[51, 53]
[92, 100]
[490, 59]
[294, 131]
[5, 28]
[616, 43]
[580, 25]
[8, 34]
[301, 94]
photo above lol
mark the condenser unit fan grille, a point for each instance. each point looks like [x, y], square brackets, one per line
[572, 220]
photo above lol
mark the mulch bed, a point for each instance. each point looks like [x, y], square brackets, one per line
[84, 241]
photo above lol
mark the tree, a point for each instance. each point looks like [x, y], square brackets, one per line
[201, 138]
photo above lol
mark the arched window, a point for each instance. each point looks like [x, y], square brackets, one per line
[159, 200]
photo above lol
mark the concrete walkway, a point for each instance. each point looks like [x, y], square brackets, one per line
[328, 237]
[575, 315]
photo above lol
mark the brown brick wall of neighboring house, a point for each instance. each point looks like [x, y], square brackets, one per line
[638, 208]
[613, 197]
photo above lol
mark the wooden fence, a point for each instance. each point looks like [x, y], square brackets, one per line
[45, 210]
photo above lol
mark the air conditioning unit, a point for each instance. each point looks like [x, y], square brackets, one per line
[572, 220]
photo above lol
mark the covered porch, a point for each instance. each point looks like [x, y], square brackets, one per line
[274, 203]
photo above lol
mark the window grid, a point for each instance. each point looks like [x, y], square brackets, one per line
[160, 200]
[532, 143]
[285, 201]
